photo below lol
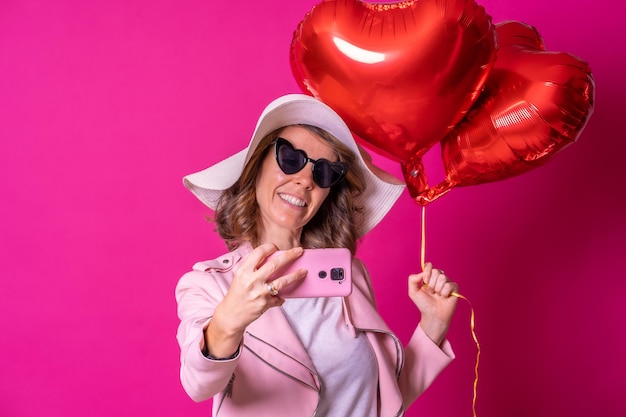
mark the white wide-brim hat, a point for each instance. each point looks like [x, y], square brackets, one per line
[381, 191]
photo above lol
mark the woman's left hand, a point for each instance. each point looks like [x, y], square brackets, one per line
[431, 291]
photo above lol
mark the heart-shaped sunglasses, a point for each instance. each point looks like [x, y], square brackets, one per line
[291, 160]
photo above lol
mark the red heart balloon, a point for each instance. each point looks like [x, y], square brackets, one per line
[400, 74]
[534, 104]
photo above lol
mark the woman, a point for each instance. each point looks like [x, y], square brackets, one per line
[301, 183]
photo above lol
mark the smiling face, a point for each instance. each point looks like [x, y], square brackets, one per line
[288, 202]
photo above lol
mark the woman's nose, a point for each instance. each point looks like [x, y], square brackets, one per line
[304, 177]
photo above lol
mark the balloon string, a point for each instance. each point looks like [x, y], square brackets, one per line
[472, 314]
[423, 248]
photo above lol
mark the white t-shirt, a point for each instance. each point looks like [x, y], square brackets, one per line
[346, 364]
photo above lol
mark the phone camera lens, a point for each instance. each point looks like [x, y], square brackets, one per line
[336, 274]
[322, 274]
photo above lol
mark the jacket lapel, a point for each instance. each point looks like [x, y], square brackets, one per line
[272, 339]
[359, 306]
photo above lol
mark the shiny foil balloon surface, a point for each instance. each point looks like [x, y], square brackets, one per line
[534, 104]
[400, 74]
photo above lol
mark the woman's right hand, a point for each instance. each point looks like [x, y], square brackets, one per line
[249, 297]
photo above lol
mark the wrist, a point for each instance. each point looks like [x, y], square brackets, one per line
[435, 330]
[218, 347]
[225, 323]
[207, 354]
[220, 341]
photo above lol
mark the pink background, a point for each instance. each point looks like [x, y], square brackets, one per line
[105, 105]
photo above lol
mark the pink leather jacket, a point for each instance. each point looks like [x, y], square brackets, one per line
[272, 375]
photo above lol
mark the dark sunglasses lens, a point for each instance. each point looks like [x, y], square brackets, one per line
[326, 174]
[289, 160]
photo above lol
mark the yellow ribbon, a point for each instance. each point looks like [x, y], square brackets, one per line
[456, 294]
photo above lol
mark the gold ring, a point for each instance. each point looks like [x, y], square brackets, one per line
[270, 287]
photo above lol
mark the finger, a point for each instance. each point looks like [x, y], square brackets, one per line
[277, 261]
[428, 269]
[275, 302]
[257, 256]
[439, 280]
[269, 296]
[415, 282]
[289, 279]
[449, 288]
[271, 301]
[272, 288]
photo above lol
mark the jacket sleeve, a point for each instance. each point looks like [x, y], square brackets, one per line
[197, 295]
[424, 361]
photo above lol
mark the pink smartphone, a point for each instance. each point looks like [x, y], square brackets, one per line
[329, 274]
